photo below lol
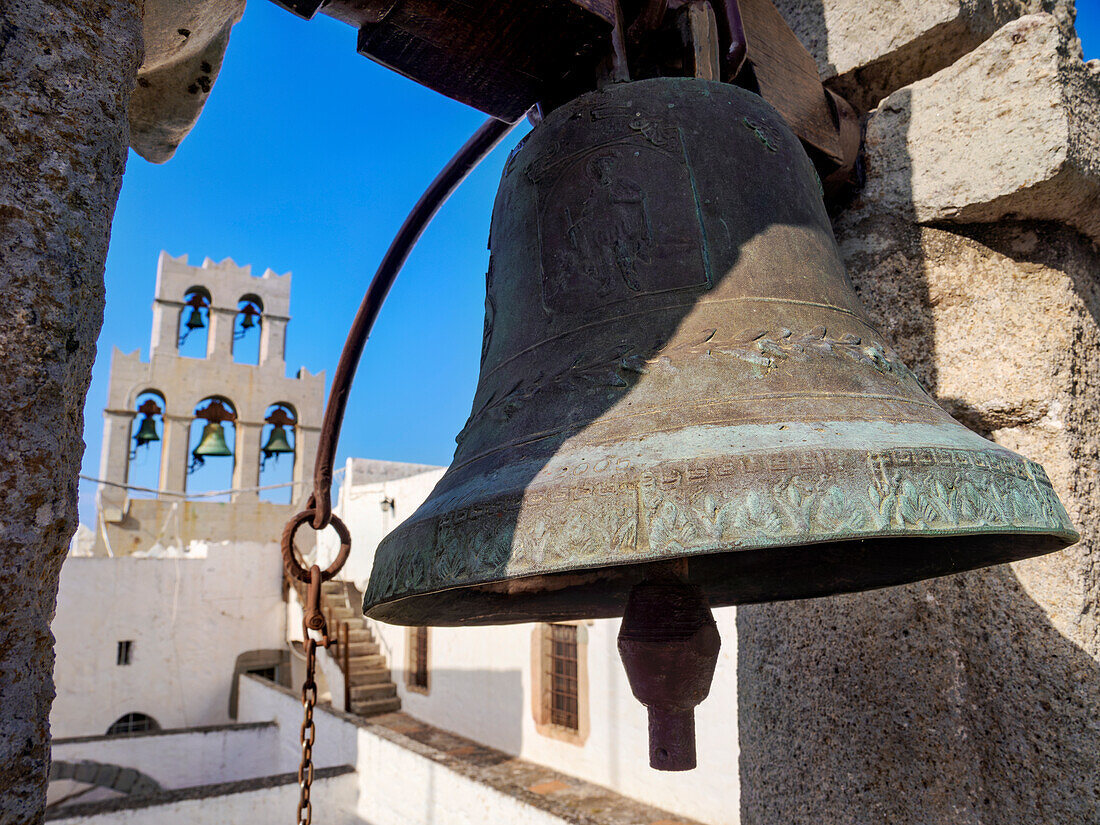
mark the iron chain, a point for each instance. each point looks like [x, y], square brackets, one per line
[308, 734]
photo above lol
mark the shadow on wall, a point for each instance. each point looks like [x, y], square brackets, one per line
[953, 700]
[484, 705]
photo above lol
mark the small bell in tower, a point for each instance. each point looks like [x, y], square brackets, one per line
[194, 320]
[278, 443]
[197, 303]
[147, 429]
[213, 441]
[249, 314]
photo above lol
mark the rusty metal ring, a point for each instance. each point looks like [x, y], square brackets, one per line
[293, 567]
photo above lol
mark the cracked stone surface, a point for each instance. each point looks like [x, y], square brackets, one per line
[866, 49]
[1012, 130]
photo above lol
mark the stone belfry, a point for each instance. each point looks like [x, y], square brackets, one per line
[224, 297]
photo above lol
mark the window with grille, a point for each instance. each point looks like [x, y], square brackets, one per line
[561, 676]
[132, 723]
[125, 651]
[417, 673]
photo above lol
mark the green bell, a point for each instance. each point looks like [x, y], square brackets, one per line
[249, 319]
[277, 442]
[213, 442]
[147, 431]
[194, 320]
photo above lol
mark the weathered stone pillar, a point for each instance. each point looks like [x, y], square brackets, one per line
[246, 467]
[114, 462]
[273, 342]
[66, 71]
[305, 452]
[176, 455]
[969, 699]
[166, 326]
[219, 340]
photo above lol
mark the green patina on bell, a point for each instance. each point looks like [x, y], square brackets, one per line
[194, 320]
[212, 442]
[147, 431]
[678, 379]
[277, 442]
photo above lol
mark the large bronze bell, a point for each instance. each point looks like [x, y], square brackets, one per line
[676, 369]
[682, 401]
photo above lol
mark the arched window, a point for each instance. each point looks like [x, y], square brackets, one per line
[246, 330]
[194, 325]
[146, 442]
[277, 452]
[212, 441]
[132, 723]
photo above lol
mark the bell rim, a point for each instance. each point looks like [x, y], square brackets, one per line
[856, 559]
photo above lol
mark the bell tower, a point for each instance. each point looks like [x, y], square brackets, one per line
[171, 391]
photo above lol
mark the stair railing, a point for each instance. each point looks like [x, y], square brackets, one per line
[345, 655]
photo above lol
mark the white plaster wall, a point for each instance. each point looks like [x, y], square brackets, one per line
[360, 506]
[184, 759]
[398, 784]
[333, 804]
[480, 687]
[189, 619]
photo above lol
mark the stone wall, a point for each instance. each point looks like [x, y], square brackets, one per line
[969, 699]
[66, 71]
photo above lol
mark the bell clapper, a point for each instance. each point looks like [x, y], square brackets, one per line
[669, 645]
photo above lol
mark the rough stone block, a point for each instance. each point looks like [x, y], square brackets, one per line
[66, 71]
[968, 699]
[1011, 130]
[184, 46]
[866, 49]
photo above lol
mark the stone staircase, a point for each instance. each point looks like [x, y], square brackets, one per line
[371, 691]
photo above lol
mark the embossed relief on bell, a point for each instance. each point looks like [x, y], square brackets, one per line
[602, 237]
[676, 369]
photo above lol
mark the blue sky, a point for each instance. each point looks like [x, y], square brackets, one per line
[307, 158]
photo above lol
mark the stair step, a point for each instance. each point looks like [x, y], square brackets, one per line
[332, 587]
[378, 690]
[359, 634]
[358, 663]
[357, 649]
[370, 676]
[376, 706]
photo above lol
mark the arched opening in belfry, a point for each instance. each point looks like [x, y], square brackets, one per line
[194, 322]
[246, 329]
[146, 443]
[212, 444]
[278, 441]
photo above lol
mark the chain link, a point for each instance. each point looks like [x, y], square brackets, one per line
[308, 735]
